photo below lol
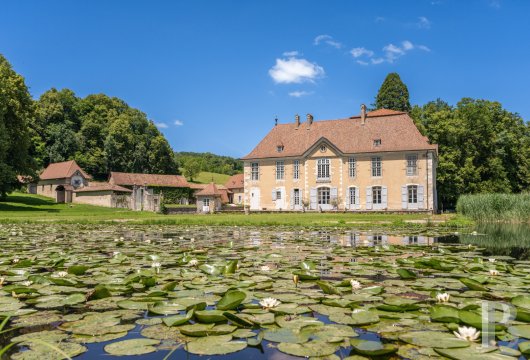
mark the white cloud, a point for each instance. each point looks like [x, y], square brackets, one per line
[291, 53]
[407, 45]
[360, 51]
[423, 23]
[326, 39]
[178, 123]
[361, 62]
[295, 70]
[161, 125]
[299, 94]
[423, 47]
[377, 61]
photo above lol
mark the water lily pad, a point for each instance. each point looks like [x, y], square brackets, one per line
[231, 300]
[473, 353]
[372, 348]
[209, 316]
[215, 345]
[313, 348]
[285, 335]
[132, 347]
[433, 339]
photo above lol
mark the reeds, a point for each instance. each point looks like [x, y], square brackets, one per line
[495, 207]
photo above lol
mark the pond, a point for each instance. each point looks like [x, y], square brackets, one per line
[156, 292]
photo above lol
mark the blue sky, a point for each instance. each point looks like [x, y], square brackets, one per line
[214, 74]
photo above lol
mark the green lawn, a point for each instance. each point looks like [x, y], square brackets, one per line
[21, 207]
[205, 177]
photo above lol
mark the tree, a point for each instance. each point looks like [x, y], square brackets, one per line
[393, 94]
[16, 111]
[192, 167]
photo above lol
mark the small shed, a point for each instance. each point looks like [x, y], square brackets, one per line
[209, 199]
[103, 194]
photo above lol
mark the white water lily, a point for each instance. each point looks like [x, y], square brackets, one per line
[356, 311]
[193, 262]
[494, 272]
[156, 266]
[269, 303]
[2, 279]
[443, 297]
[148, 241]
[27, 283]
[61, 274]
[265, 268]
[115, 253]
[15, 260]
[355, 285]
[492, 260]
[467, 333]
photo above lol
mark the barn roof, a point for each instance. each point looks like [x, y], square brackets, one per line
[129, 179]
[62, 170]
[102, 187]
[235, 182]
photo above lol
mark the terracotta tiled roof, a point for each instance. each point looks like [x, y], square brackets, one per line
[102, 187]
[62, 170]
[129, 179]
[235, 182]
[209, 190]
[395, 129]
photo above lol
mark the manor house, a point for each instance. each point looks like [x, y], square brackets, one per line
[375, 161]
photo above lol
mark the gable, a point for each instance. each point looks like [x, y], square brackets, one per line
[322, 148]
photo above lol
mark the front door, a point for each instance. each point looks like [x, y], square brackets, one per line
[280, 199]
[60, 194]
[206, 205]
[254, 199]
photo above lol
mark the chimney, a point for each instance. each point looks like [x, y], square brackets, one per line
[276, 121]
[309, 118]
[297, 120]
[363, 114]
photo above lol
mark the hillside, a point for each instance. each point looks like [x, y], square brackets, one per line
[206, 177]
[208, 162]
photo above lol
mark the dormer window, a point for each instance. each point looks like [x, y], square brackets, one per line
[377, 142]
[279, 148]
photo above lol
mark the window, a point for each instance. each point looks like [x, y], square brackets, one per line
[377, 142]
[412, 191]
[296, 169]
[413, 239]
[255, 171]
[351, 167]
[376, 166]
[296, 196]
[376, 195]
[206, 202]
[352, 194]
[412, 165]
[280, 170]
[323, 196]
[278, 194]
[279, 148]
[323, 148]
[323, 169]
[239, 198]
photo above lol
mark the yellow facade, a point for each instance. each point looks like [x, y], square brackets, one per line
[399, 188]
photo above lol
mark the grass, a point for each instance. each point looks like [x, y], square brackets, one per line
[495, 207]
[206, 177]
[21, 207]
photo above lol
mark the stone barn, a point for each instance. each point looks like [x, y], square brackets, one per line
[60, 180]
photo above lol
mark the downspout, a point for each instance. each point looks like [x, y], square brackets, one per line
[427, 169]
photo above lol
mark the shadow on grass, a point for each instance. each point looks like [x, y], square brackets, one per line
[27, 204]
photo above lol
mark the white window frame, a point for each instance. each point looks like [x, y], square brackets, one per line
[377, 194]
[278, 194]
[206, 202]
[280, 170]
[412, 165]
[352, 194]
[377, 166]
[322, 197]
[296, 169]
[296, 197]
[254, 170]
[351, 167]
[412, 194]
[323, 169]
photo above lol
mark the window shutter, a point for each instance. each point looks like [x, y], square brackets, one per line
[404, 197]
[357, 198]
[313, 198]
[347, 199]
[292, 199]
[384, 197]
[420, 197]
[369, 198]
[273, 194]
[333, 193]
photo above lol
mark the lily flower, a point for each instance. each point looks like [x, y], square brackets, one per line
[27, 283]
[15, 260]
[2, 279]
[269, 303]
[60, 274]
[265, 268]
[467, 333]
[492, 260]
[442, 297]
[296, 279]
[156, 266]
[355, 285]
[494, 272]
[193, 262]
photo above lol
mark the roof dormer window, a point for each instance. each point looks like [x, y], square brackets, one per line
[377, 142]
[279, 148]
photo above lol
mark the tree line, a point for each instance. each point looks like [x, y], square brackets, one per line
[192, 163]
[101, 133]
[483, 148]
